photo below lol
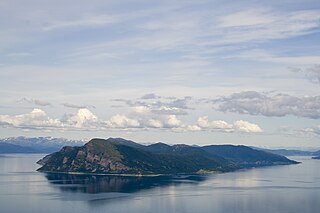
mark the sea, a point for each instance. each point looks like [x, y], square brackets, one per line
[275, 189]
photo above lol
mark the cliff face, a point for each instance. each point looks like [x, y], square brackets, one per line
[118, 156]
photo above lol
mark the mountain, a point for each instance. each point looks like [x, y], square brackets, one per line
[292, 152]
[317, 153]
[287, 152]
[39, 144]
[246, 157]
[125, 142]
[11, 148]
[120, 156]
[124, 157]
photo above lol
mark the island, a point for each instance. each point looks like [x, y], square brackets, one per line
[117, 156]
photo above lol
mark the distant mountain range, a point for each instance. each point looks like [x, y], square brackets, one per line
[11, 148]
[35, 145]
[50, 145]
[290, 152]
[120, 156]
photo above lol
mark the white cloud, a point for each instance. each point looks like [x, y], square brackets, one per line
[220, 125]
[193, 128]
[165, 110]
[122, 121]
[173, 121]
[255, 103]
[83, 118]
[245, 126]
[203, 122]
[161, 106]
[154, 123]
[36, 119]
[141, 110]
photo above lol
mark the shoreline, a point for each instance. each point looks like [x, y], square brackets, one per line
[131, 175]
[158, 175]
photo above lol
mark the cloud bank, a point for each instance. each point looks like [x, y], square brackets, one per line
[160, 105]
[277, 105]
[138, 119]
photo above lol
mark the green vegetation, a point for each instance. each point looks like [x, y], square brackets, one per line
[246, 157]
[119, 156]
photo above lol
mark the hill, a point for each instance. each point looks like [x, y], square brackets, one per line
[11, 148]
[246, 157]
[317, 153]
[120, 156]
[114, 156]
[288, 152]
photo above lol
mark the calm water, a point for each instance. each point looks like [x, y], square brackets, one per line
[279, 189]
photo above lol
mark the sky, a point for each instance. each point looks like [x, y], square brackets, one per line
[193, 72]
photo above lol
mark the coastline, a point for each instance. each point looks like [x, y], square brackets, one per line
[131, 175]
[200, 172]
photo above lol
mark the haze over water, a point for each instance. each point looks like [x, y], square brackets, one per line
[283, 189]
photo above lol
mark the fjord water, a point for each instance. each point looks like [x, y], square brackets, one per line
[277, 189]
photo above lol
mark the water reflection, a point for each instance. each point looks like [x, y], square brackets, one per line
[122, 184]
[287, 189]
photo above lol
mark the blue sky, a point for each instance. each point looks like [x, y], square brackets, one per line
[196, 72]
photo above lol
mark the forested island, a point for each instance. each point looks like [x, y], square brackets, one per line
[125, 157]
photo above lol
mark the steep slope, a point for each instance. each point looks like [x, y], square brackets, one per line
[247, 157]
